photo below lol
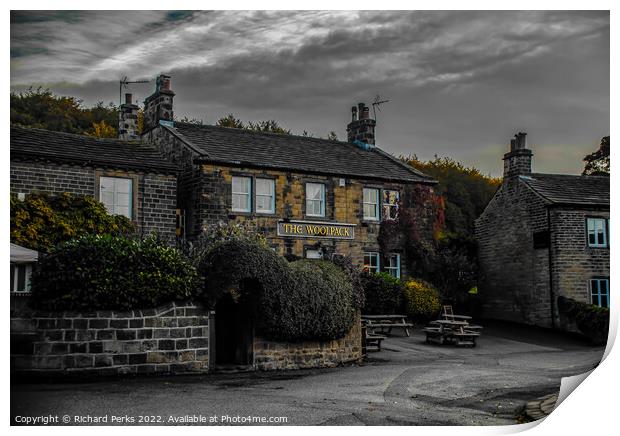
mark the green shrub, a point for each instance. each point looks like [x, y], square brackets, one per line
[327, 308]
[591, 320]
[105, 272]
[421, 300]
[345, 263]
[383, 294]
[42, 221]
[303, 300]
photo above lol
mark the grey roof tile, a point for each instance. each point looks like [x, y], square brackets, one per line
[291, 152]
[40, 144]
[567, 189]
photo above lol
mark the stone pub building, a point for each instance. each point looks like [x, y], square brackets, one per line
[311, 197]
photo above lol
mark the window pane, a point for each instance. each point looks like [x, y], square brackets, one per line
[315, 199]
[122, 199]
[123, 185]
[264, 187]
[240, 202]
[314, 254]
[241, 185]
[122, 210]
[371, 201]
[604, 302]
[314, 191]
[390, 197]
[12, 277]
[106, 184]
[115, 194]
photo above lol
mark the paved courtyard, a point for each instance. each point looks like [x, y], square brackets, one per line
[408, 383]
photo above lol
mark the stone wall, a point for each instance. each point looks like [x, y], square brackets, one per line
[168, 340]
[270, 355]
[574, 262]
[155, 194]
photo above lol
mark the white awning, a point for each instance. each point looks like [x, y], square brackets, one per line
[21, 254]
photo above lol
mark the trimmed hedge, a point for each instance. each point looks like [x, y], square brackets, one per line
[327, 309]
[97, 272]
[421, 300]
[591, 320]
[303, 300]
[383, 294]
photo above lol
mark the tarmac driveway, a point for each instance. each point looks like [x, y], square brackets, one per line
[408, 383]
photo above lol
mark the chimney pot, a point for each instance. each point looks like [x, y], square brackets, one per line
[518, 161]
[128, 98]
[163, 82]
[361, 129]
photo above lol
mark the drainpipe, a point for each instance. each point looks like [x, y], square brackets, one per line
[551, 294]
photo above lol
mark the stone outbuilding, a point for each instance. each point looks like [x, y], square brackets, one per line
[128, 177]
[540, 237]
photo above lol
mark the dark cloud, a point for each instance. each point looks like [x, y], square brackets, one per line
[460, 83]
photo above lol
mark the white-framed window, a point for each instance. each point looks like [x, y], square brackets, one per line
[116, 193]
[597, 232]
[314, 254]
[241, 194]
[599, 292]
[265, 196]
[371, 204]
[315, 199]
[20, 277]
[390, 204]
[392, 265]
[371, 261]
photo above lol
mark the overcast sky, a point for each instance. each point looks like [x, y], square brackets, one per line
[460, 84]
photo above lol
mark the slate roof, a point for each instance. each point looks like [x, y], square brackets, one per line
[242, 147]
[570, 190]
[39, 144]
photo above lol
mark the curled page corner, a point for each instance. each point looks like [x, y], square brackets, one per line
[569, 384]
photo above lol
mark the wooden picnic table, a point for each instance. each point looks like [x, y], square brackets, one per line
[459, 332]
[388, 322]
[457, 317]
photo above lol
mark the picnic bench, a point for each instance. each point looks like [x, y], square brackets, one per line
[386, 322]
[452, 328]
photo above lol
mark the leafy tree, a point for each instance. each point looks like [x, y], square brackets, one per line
[597, 162]
[42, 109]
[271, 126]
[230, 121]
[465, 190]
[102, 130]
[195, 121]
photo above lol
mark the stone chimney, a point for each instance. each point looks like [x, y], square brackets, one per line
[361, 129]
[518, 161]
[128, 120]
[158, 106]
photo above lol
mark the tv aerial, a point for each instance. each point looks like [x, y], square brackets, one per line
[376, 105]
[123, 84]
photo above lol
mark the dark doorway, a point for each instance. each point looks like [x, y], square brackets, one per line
[234, 329]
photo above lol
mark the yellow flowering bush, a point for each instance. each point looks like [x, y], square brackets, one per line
[422, 300]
